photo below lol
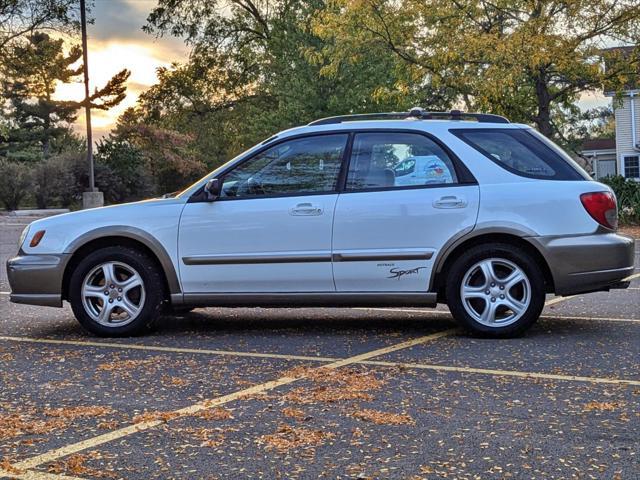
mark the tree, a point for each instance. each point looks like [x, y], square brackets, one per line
[128, 177]
[527, 59]
[258, 67]
[150, 154]
[15, 181]
[22, 18]
[32, 71]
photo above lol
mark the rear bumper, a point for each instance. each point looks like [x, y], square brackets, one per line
[588, 262]
[37, 279]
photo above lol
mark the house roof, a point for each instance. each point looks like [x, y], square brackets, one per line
[599, 144]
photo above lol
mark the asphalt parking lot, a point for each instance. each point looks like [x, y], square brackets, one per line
[321, 393]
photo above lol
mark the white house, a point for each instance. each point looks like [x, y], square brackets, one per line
[623, 158]
[627, 115]
[601, 153]
[619, 156]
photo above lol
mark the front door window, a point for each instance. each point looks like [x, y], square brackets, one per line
[299, 166]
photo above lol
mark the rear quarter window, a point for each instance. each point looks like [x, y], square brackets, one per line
[520, 151]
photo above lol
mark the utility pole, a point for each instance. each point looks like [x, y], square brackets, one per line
[93, 198]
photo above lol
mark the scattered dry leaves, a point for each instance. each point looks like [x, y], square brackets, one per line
[600, 406]
[332, 385]
[288, 438]
[15, 424]
[170, 381]
[5, 464]
[294, 413]
[75, 465]
[383, 418]
[154, 416]
[207, 437]
[108, 425]
[71, 413]
[6, 357]
[126, 366]
[217, 413]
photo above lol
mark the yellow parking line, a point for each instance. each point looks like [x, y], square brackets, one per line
[553, 301]
[602, 319]
[34, 475]
[507, 373]
[158, 348]
[556, 300]
[263, 387]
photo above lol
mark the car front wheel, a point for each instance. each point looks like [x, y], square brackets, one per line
[496, 290]
[116, 291]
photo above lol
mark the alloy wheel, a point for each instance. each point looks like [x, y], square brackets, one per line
[495, 292]
[113, 294]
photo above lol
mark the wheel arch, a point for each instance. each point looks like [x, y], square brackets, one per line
[126, 236]
[462, 242]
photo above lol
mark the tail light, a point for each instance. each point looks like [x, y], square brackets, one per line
[602, 207]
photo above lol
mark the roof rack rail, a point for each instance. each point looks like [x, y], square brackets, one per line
[417, 113]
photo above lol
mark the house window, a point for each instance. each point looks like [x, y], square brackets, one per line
[632, 167]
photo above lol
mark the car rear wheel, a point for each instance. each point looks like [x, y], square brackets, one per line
[116, 291]
[496, 290]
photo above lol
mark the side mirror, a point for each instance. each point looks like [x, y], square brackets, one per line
[212, 189]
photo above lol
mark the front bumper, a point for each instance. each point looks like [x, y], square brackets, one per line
[37, 279]
[587, 263]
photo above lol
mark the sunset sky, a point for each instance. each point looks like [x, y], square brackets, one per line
[116, 41]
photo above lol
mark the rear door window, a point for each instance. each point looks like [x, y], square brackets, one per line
[521, 152]
[386, 160]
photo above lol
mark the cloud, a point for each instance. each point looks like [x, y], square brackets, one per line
[116, 41]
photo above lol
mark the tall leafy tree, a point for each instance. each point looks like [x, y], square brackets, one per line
[148, 158]
[31, 72]
[22, 18]
[257, 66]
[527, 59]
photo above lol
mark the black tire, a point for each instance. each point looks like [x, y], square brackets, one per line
[509, 253]
[151, 302]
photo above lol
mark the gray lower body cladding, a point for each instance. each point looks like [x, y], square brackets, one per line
[578, 264]
[587, 263]
[37, 279]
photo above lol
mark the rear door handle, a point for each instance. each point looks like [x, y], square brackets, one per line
[450, 201]
[306, 209]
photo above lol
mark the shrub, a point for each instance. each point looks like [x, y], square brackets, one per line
[15, 183]
[74, 177]
[121, 171]
[43, 177]
[169, 159]
[58, 181]
[628, 194]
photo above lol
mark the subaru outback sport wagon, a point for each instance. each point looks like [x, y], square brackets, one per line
[396, 209]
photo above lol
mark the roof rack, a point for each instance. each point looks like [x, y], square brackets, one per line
[417, 113]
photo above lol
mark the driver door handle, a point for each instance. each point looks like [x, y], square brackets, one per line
[306, 209]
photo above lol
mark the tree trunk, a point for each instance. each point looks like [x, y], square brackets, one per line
[46, 141]
[543, 118]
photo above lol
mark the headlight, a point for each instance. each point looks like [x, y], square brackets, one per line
[23, 235]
